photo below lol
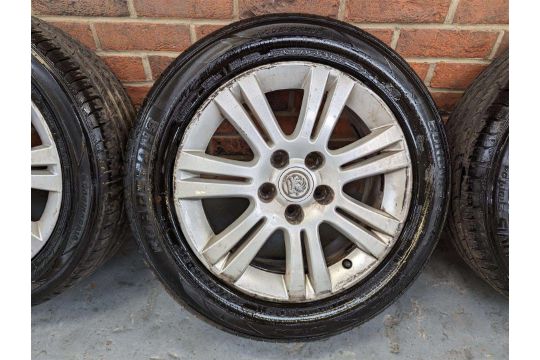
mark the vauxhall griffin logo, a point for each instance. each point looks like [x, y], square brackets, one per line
[295, 185]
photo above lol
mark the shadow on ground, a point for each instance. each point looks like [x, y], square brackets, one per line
[123, 312]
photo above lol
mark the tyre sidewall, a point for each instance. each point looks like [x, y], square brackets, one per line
[64, 247]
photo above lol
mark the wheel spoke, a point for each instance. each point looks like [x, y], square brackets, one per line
[238, 117]
[258, 103]
[46, 180]
[294, 271]
[37, 239]
[373, 217]
[318, 271]
[201, 163]
[337, 98]
[377, 165]
[198, 188]
[361, 237]
[314, 87]
[43, 155]
[223, 242]
[239, 261]
[374, 142]
[36, 231]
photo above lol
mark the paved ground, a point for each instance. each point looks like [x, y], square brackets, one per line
[122, 312]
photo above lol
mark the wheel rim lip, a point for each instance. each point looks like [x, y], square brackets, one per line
[49, 218]
[364, 264]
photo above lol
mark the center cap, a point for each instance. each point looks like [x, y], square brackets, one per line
[295, 184]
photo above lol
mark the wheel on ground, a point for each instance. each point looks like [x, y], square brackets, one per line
[80, 121]
[478, 136]
[288, 177]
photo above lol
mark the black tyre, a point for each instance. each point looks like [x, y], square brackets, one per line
[80, 121]
[478, 137]
[174, 109]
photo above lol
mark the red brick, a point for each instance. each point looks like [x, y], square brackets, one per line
[158, 64]
[343, 128]
[229, 145]
[208, 9]
[78, 31]
[226, 128]
[81, 7]
[250, 8]
[446, 101]
[287, 123]
[385, 35]
[421, 69]
[279, 100]
[482, 12]
[446, 43]
[137, 93]
[399, 11]
[143, 36]
[505, 44]
[126, 68]
[203, 30]
[455, 76]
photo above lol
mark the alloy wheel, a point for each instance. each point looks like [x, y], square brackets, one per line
[294, 184]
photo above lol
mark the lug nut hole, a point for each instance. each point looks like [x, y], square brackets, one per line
[267, 192]
[314, 160]
[279, 159]
[323, 194]
[294, 214]
[347, 264]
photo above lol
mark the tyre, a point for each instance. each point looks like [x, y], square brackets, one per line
[478, 137]
[80, 122]
[283, 230]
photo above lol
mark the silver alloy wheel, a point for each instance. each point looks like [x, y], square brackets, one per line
[287, 196]
[46, 176]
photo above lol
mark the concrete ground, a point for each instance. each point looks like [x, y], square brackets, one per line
[123, 312]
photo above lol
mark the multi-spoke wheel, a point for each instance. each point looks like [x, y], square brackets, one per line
[294, 184]
[80, 119]
[290, 184]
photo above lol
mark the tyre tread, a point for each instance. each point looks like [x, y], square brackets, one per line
[107, 117]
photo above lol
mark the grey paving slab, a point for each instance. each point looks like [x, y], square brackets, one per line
[123, 312]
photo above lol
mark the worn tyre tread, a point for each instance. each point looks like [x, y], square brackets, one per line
[474, 129]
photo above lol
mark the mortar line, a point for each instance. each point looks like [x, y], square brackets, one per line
[122, 20]
[341, 9]
[448, 59]
[147, 68]
[138, 83]
[451, 12]
[444, 90]
[395, 38]
[95, 36]
[192, 34]
[236, 11]
[434, 26]
[198, 21]
[429, 74]
[497, 45]
[137, 53]
[131, 9]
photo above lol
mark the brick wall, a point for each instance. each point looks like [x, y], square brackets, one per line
[447, 42]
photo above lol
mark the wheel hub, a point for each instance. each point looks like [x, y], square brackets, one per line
[296, 184]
